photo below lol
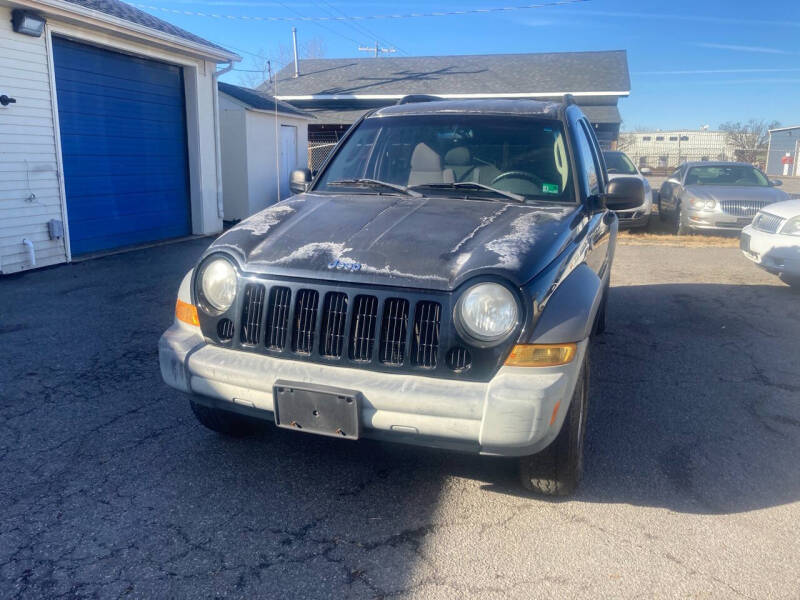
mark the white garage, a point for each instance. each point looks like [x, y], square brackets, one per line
[262, 142]
[110, 131]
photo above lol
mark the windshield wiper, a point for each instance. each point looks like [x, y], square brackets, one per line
[376, 183]
[470, 185]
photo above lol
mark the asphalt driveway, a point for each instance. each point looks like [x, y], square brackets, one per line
[109, 488]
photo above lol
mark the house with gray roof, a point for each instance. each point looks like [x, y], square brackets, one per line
[338, 91]
[109, 121]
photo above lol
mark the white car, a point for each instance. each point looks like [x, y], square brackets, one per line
[619, 165]
[772, 241]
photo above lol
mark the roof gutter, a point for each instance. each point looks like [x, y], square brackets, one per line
[477, 96]
[69, 11]
[217, 145]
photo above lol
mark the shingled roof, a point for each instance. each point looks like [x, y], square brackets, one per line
[260, 100]
[126, 12]
[542, 73]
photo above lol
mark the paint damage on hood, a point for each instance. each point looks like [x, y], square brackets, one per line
[430, 243]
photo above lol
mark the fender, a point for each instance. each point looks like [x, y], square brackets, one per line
[570, 312]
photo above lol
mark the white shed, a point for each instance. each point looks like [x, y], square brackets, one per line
[262, 142]
[109, 130]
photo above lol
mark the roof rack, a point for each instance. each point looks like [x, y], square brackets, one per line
[569, 99]
[412, 98]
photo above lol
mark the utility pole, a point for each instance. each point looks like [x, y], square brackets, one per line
[377, 49]
[294, 48]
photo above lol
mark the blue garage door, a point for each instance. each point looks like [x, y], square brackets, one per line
[123, 141]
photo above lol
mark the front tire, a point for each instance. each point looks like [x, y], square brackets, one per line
[792, 281]
[557, 470]
[681, 228]
[224, 421]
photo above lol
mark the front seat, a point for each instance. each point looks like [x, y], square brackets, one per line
[459, 161]
[426, 167]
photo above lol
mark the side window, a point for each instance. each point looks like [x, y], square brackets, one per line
[676, 174]
[588, 167]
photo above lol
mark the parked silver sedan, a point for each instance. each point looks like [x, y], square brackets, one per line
[715, 196]
[619, 165]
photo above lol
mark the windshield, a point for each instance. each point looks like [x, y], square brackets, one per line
[726, 175]
[512, 154]
[616, 162]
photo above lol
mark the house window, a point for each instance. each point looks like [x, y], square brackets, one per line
[673, 138]
[659, 138]
[646, 138]
[684, 138]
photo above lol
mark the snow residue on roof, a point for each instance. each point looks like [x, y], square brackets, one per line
[261, 222]
[509, 247]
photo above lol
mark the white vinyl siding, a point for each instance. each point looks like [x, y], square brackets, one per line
[28, 164]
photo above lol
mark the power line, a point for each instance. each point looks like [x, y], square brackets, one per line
[363, 29]
[317, 20]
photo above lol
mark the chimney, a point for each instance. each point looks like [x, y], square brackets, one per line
[294, 45]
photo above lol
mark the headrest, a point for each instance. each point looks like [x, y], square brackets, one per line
[458, 156]
[424, 158]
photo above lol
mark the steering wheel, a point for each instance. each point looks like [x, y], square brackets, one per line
[518, 175]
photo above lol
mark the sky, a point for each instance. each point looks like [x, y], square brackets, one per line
[692, 63]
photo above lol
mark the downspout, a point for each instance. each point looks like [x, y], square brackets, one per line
[217, 145]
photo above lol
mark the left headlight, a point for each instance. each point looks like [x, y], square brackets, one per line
[702, 203]
[487, 312]
[791, 227]
[218, 284]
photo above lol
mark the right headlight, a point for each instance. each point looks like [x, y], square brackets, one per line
[487, 312]
[218, 283]
[791, 227]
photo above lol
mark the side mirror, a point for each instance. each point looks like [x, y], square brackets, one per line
[645, 170]
[300, 180]
[623, 193]
[776, 182]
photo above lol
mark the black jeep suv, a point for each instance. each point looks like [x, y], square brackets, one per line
[436, 283]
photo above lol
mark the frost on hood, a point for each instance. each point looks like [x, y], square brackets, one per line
[509, 247]
[332, 251]
[485, 222]
[389, 271]
[261, 222]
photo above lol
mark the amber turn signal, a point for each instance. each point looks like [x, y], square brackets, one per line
[186, 313]
[541, 355]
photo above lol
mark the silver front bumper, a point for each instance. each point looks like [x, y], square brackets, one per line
[518, 412]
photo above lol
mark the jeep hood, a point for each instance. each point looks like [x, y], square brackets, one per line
[431, 243]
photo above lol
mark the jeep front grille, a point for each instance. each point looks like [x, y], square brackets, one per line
[305, 320]
[742, 208]
[334, 316]
[362, 336]
[394, 327]
[391, 330]
[426, 334]
[251, 313]
[280, 299]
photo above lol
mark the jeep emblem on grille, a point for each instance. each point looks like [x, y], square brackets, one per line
[342, 265]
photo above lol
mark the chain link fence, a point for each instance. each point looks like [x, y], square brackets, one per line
[320, 144]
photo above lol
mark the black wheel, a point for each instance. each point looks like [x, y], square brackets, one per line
[225, 422]
[557, 470]
[681, 228]
[792, 281]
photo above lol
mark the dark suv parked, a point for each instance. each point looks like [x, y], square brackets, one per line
[436, 283]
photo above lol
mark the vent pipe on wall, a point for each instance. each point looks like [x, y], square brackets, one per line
[294, 45]
[31, 251]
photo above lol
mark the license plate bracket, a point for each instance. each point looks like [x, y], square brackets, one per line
[319, 409]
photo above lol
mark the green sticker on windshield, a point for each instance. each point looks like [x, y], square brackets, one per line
[550, 188]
